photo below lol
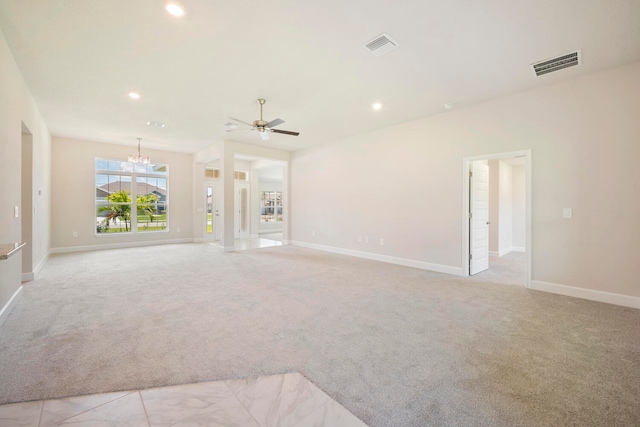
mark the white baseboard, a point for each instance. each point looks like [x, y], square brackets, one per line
[590, 294]
[67, 249]
[6, 310]
[506, 251]
[384, 258]
[28, 277]
[41, 264]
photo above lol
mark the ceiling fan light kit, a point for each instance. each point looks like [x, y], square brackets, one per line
[262, 126]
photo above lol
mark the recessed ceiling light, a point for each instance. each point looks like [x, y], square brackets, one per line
[448, 106]
[231, 125]
[156, 124]
[175, 9]
[377, 106]
[134, 95]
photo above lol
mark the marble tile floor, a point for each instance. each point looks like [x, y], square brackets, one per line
[255, 243]
[272, 236]
[276, 400]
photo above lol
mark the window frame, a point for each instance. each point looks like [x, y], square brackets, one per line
[133, 175]
[276, 198]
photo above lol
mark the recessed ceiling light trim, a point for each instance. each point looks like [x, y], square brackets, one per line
[134, 95]
[156, 124]
[377, 106]
[558, 63]
[381, 44]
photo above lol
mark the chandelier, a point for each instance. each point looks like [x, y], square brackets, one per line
[139, 158]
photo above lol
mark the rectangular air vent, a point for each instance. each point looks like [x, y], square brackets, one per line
[555, 64]
[381, 44]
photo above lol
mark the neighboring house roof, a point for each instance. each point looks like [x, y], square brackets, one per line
[142, 188]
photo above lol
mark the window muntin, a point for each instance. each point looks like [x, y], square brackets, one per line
[122, 207]
[270, 206]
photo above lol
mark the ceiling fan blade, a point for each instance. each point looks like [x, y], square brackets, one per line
[274, 122]
[286, 132]
[264, 135]
[241, 121]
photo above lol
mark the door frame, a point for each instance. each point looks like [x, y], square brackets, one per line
[237, 188]
[466, 164]
[474, 220]
[216, 228]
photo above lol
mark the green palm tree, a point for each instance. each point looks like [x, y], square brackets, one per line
[119, 209]
[146, 204]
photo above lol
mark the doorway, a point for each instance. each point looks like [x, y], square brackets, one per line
[213, 204]
[241, 204]
[26, 202]
[485, 221]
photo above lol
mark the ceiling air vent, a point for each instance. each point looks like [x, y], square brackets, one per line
[381, 44]
[555, 64]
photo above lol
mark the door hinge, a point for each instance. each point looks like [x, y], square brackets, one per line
[470, 257]
[470, 174]
[470, 215]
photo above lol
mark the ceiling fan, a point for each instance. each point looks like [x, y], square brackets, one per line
[262, 126]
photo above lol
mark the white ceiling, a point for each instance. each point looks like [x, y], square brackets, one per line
[80, 58]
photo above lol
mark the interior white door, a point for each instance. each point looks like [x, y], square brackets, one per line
[478, 217]
[209, 232]
[217, 208]
[212, 230]
[242, 211]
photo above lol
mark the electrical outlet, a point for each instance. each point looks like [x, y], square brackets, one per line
[313, 233]
[359, 239]
[366, 240]
[567, 213]
[178, 230]
[74, 234]
[381, 242]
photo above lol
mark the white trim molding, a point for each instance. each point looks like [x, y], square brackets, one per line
[27, 277]
[589, 294]
[41, 264]
[457, 271]
[67, 249]
[506, 251]
[6, 310]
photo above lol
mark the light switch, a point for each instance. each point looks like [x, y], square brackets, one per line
[567, 213]
[16, 211]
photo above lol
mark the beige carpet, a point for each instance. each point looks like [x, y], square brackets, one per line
[396, 346]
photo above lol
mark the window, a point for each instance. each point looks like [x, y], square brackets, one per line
[130, 198]
[271, 206]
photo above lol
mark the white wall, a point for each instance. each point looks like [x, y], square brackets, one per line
[17, 107]
[404, 183]
[73, 190]
[518, 207]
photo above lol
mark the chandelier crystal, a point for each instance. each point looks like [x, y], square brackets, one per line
[139, 159]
